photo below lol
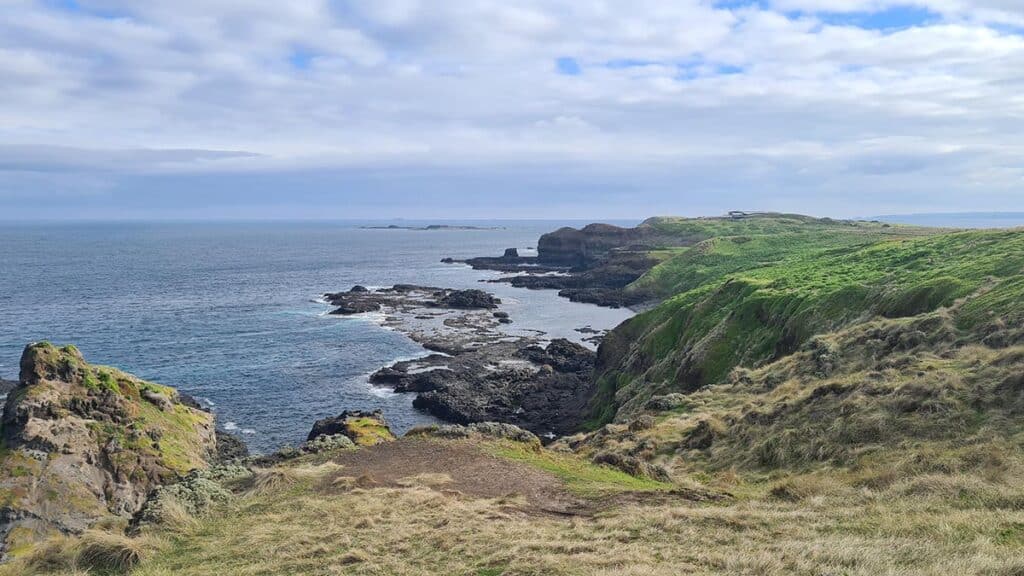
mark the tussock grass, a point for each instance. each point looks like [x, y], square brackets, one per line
[96, 552]
[417, 531]
[268, 480]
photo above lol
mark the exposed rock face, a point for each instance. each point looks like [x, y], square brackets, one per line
[6, 386]
[85, 442]
[592, 264]
[363, 428]
[230, 447]
[586, 246]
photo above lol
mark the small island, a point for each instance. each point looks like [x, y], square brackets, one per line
[431, 227]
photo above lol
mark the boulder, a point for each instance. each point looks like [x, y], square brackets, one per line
[468, 299]
[363, 428]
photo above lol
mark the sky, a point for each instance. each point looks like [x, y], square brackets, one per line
[333, 109]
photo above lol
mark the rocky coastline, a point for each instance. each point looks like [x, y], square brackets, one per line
[593, 264]
[477, 371]
[481, 373]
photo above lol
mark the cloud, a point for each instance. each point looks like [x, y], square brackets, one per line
[776, 101]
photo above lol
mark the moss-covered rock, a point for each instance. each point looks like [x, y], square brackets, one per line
[363, 428]
[83, 442]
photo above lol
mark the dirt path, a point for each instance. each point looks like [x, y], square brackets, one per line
[473, 472]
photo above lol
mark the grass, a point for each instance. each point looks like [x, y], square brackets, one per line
[368, 431]
[822, 524]
[581, 477]
[736, 308]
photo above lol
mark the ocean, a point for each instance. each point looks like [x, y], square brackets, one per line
[228, 312]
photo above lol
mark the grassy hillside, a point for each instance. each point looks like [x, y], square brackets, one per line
[747, 302]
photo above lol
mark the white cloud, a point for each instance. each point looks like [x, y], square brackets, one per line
[320, 84]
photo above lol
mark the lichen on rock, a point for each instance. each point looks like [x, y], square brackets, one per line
[83, 442]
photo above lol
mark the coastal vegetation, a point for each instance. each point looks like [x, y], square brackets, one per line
[802, 396]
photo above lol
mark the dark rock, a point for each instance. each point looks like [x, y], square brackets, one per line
[562, 355]
[550, 398]
[363, 428]
[230, 447]
[190, 401]
[358, 289]
[510, 254]
[6, 386]
[355, 307]
[448, 260]
[468, 299]
[500, 315]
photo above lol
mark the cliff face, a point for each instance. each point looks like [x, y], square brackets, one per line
[82, 442]
[588, 245]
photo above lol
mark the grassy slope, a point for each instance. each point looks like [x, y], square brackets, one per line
[309, 522]
[745, 303]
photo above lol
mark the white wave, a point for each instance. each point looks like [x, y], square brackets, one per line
[230, 426]
[382, 392]
[249, 431]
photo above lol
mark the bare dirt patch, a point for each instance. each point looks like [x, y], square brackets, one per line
[472, 471]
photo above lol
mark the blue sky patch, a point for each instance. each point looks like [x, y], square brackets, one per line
[568, 66]
[300, 59]
[76, 7]
[895, 18]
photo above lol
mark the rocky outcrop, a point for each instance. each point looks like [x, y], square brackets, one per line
[84, 442]
[544, 390]
[468, 300]
[589, 245]
[363, 428]
[230, 448]
[6, 386]
[592, 264]
[360, 300]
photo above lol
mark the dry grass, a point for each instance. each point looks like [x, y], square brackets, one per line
[815, 524]
[826, 522]
[97, 552]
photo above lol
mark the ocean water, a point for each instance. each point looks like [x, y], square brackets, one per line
[227, 312]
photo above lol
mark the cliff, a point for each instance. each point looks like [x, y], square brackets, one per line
[82, 443]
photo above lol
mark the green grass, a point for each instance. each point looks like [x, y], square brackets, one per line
[580, 476]
[742, 304]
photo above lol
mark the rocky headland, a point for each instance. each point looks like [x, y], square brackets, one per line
[593, 264]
